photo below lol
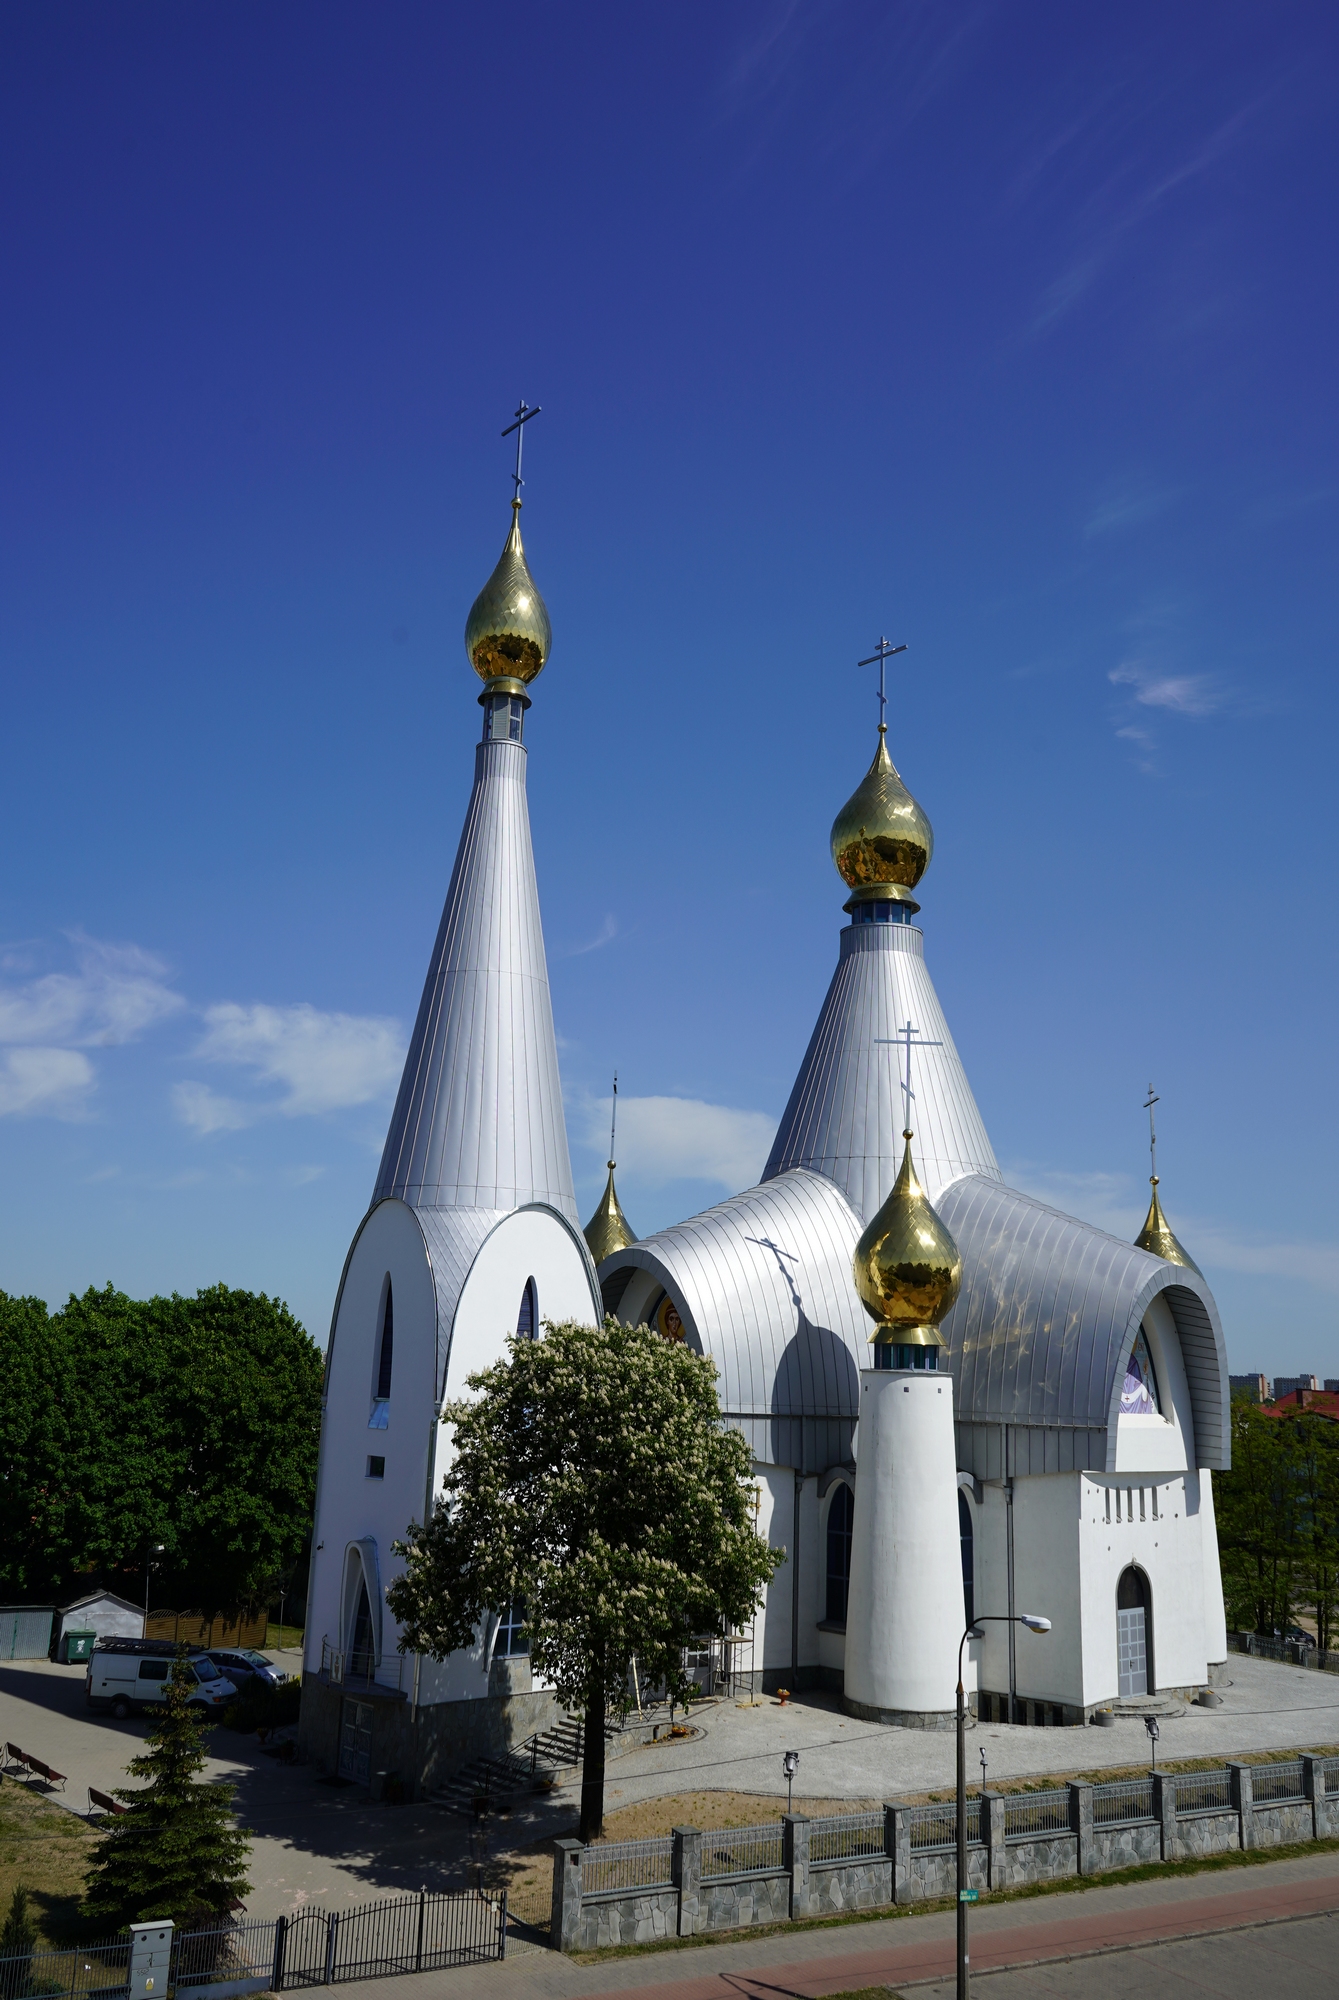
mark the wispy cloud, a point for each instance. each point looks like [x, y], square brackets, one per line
[322, 1062]
[1184, 694]
[608, 930]
[683, 1138]
[54, 1081]
[117, 993]
[1129, 507]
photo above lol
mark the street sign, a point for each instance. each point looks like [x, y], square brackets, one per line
[969, 1895]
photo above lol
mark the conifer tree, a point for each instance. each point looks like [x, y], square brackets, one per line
[173, 1853]
[18, 1941]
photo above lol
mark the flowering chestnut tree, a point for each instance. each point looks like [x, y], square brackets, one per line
[593, 1478]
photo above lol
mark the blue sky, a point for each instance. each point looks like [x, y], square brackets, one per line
[1008, 331]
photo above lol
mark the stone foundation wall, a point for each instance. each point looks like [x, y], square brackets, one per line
[424, 1746]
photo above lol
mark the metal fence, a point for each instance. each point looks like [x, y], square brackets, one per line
[1331, 1775]
[1123, 1802]
[1273, 1784]
[98, 1968]
[933, 1826]
[742, 1850]
[847, 1837]
[1029, 1814]
[627, 1864]
[1204, 1791]
[233, 1951]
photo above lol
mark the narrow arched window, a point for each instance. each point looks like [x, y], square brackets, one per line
[965, 1534]
[386, 1351]
[840, 1516]
[527, 1319]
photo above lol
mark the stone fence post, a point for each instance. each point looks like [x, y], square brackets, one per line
[992, 1812]
[1081, 1825]
[897, 1846]
[1164, 1811]
[1323, 1818]
[686, 1874]
[1242, 1795]
[795, 1860]
[565, 1922]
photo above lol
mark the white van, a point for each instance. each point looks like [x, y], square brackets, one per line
[127, 1676]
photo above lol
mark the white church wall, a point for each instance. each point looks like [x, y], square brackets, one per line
[1169, 1551]
[1163, 1443]
[773, 1654]
[1215, 1612]
[350, 1505]
[1049, 1665]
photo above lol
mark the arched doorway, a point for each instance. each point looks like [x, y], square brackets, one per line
[1134, 1633]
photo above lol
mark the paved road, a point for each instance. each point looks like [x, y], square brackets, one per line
[1274, 1918]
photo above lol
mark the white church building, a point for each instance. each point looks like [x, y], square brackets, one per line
[1046, 1445]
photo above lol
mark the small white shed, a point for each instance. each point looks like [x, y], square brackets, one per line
[109, 1616]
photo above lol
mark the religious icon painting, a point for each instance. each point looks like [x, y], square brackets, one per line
[668, 1322]
[1139, 1392]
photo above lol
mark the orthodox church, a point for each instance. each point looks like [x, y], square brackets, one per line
[961, 1404]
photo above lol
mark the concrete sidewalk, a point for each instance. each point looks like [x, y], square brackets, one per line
[902, 1951]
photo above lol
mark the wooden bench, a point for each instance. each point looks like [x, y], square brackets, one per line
[49, 1776]
[103, 1802]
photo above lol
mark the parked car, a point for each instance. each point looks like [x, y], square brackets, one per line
[246, 1667]
[1297, 1637]
[128, 1676]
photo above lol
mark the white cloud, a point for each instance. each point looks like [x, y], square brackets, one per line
[608, 930]
[116, 994]
[51, 1080]
[1127, 509]
[204, 1110]
[325, 1062]
[1185, 694]
[683, 1138]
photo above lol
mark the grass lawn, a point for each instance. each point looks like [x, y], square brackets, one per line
[47, 1850]
[283, 1635]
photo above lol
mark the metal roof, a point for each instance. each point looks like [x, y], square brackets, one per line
[478, 1122]
[846, 1111]
[1047, 1315]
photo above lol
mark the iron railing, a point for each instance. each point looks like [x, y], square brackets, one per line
[98, 1968]
[1277, 1784]
[1203, 1791]
[1029, 1814]
[627, 1864]
[846, 1837]
[1123, 1802]
[233, 1951]
[1331, 1775]
[743, 1850]
[933, 1826]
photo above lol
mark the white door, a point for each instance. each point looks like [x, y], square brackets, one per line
[1132, 1654]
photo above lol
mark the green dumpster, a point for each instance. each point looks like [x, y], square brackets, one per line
[76, 1647]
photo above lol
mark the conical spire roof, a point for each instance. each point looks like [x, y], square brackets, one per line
[1156, 1235]
[608, 1229]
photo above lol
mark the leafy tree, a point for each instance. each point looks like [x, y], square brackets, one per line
[592, 1477]
[173, 1853]
[18, 1942]
[1257, 1521]
[34, 1450]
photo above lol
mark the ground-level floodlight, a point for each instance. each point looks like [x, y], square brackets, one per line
[1151, 1725]
[790, 1764]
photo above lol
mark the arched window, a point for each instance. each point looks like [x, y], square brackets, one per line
[1133, 1633]
[386, 1352]
[968, 1569]
[362, 1658]
[527, 1319]
[1139, 1391]
[841, 1513]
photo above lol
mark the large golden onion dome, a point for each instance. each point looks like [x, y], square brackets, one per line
[608, 1230]
[1156, 1235]
[907, 1267]
[507, 634]
[881, 840]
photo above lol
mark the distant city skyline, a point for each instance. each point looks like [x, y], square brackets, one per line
[1000, 332]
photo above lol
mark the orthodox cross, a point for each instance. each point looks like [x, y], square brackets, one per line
[883, 655]
[910, 1038]
[1149, 1102]
[613, 1125]
[523, 416]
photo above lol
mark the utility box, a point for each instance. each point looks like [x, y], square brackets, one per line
[150, 1961]
[77, 1647]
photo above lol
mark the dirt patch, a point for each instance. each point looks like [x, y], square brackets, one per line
[47, 1850]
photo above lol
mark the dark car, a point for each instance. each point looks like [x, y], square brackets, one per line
[246, 1668]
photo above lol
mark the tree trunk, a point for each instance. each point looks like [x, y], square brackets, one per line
[592, 1767]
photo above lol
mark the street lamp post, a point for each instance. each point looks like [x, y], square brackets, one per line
[790, 1764]
[154, 1549]
[1034, 1624]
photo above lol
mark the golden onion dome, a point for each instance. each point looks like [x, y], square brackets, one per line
[507, 634]
[907, 1267]
[881, 840]
[607, 1230]
[1156, 1235]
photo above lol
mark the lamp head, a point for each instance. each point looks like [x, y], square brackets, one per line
[790, 1763]
[1034, 1623]
[1151, 1725]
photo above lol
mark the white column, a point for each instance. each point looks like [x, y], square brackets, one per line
[905, 1611]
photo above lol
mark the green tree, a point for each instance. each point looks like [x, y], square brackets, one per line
[35, 1471]
[593, 1478]
[1260, 1513]
[1315, 1459]
[18, 1942]
[174, 1852]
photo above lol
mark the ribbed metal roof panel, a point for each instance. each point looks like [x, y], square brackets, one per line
[478, 1122]
[846, 1110]
[1048, 1312]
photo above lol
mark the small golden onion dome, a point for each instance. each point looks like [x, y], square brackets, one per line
[881, 840]
[608, 1229]
[507, 634]
[907, 1267]
[1156, 1235]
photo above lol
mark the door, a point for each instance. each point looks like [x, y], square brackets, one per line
[355, 1742]
[1132, 1644]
